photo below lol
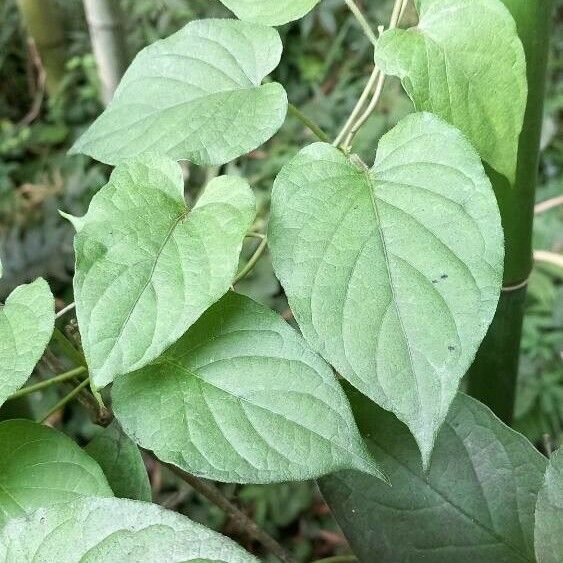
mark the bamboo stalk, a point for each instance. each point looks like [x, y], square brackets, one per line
[492, 378]
[42, 21]
[108, 42]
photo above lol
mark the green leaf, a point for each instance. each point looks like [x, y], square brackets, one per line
[26, 325]
[475, 503]
[270, 12]
[464, 62]
[147, 267]
[393, 273]
[112, 530]
[40, 466]
[121, 462]
[195, 95]
[549, 513]
[241, 398]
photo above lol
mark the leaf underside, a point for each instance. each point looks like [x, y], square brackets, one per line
[195, 95]
[40, 466]
[95, 530]
[121, 462]
[465, 63]
[240, 398]
[270, 12]
[393, 274]
[475, 503]
[147, 267]
[549, 513]
[26, 325]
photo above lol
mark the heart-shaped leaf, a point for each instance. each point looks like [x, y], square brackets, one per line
[270, 12]
[147, 266]
[121, 462]
[40, 466]
[195, 95]
[26, 325]
[549, 513]
[464, 62]
[114, 530]
[240, 398]
[393, 273]
[475, 503]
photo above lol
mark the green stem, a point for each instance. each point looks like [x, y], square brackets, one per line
[492, 378]
[66, 399]
[309, 123]
[65, 310]
[48, 382]
[362, 21]
[252, 262]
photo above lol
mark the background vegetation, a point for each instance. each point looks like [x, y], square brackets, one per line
[324, 69]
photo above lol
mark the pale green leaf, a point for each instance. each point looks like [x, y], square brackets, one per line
[121, 462]
[111, 531]
[465, 62]
[40, 466]
[195, 95]
[475, 503]
[147, 266]
[549, 513]
[26, 325]
[241, 398]
[393, 273]
[270, 12]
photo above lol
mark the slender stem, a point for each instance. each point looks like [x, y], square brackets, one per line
[67, 348]
[252, 262]
[309, 123]
[66, 399]
[214, 495]
[254, 234]
[338, 559]
[48, 382]
[547, 205]
[548, 258]
[362, 20]
[65, 310]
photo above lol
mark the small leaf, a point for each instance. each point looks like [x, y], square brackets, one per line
[240, 398]
[147, 267]
[464, 62]
[195, 96]
[475, 504]
[549, 513]
[26, 325]
[112, 530]
[121, 462]
[270, 12]
[393, 273]
[40, 466]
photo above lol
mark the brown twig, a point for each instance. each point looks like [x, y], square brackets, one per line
[39, 96]
[212, 493]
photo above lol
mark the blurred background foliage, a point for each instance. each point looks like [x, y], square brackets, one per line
[324, 69]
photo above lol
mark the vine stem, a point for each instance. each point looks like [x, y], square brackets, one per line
[253, 260]
[309, 123]
[65, 310]
[361, 20]
[48, 382]
[66, 399]
[214, 495]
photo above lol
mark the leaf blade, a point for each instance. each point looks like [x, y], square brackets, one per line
[270, 12]
[369, 259]
[243, 399]
[194, 96]
[26, 325]
[155, 264]
[114, 530]
[475, 503]
[32, 457]
[482, 90]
